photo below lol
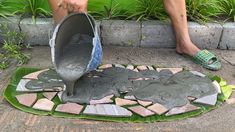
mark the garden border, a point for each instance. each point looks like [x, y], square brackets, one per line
[136, 34]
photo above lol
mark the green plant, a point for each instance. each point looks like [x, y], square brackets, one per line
[12, 47]
[33, 8]
[202, 10]
[228, 8]
[149, 9]
[4, 9]
[110, 10]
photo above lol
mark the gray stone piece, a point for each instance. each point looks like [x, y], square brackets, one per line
[181, 110]
[21, 86]
[228, 36]
[119, 32]
[157, 34]
[37, 33]
[207, 100]
[107, 110]
[161, 35]
[205, 36]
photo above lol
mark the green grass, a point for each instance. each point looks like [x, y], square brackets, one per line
[10, 93]
[228, 9]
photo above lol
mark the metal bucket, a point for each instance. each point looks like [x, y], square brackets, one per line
[71, 25]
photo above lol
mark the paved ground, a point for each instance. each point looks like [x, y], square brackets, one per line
[222, 119]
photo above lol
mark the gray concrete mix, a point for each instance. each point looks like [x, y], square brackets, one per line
[221, 119]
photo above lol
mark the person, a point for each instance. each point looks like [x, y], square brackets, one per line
[177, 12]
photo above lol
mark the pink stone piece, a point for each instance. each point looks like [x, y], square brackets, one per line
[142, 68]
[71, 108]
[140, 110]
[130, 67]
[49, 95]
[217, 86]
[190, 98]
[105, 66]
[144, 103]
[173, 70]
[27, 99]
[158, 109]
[150, 68]
[44, 104]
[130, 97]
[34, 75]
[179, 110]
[104, 100]
[122, 102]
[208, 100]
[107, 110]
[230, 101]
[198, 73]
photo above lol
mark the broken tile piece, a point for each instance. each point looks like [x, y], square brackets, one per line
[105, 66]
[150, 68]
[130, 67]
[173, 70]
[142, 68]
[130, 97]
[44, 104]
[140, 110]
[158, 109]
[208, 100]
[198, 73]
[34, 75]
[27, 99]
[230, 101]
[122, 102]
[119, 65]
[144, 103]
[49, 95]
[190, 98]
[21, 86]
[107, 110]
[183, 109]
[104, 100]
[71, 108]
[217, 86]
[60, 95]
[136, 70]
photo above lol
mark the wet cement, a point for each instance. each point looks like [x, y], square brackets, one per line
[74, 59]
[162, 87]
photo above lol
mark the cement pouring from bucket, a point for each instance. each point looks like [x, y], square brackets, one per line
[113, 92]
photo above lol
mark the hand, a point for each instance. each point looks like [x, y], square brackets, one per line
[74, 5]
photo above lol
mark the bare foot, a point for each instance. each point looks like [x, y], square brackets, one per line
[187, 47]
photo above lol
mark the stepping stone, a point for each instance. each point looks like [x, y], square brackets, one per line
[208, 100]
[107, 110]
[181, 110]
[158, 109]
[122, 102]
[27, 99]
[142, 68]
[105, 66]
[136, 70]
[150, 68]
[49, 95]
[104, 100]
[230, 101]
[130, 97]
[119, 65]
[44, 104]
[34, 75]
[173, 70]
[190, 98]
[198, 73]
[71, 108]
[217, 86]
[140, 110]
[130, 67]
[144, 103]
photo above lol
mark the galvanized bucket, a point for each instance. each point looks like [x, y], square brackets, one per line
[68, 27]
